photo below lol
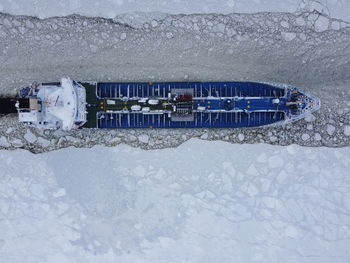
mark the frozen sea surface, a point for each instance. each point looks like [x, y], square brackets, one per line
[111, 8]
[307, 49]
[201, 202]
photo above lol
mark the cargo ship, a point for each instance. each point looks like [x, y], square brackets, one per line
[69, 104]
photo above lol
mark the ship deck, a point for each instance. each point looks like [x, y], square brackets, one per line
[253, 105]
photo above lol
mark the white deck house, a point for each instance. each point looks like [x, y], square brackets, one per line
[55, 106]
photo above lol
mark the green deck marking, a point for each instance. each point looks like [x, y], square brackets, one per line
[91, 99]
[102, 106]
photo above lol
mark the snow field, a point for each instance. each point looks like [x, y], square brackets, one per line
[203, 201]
[111, 8]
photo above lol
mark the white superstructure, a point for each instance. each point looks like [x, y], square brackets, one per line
[54, 105]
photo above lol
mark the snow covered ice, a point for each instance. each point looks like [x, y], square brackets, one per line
[111, 8]
[201, 202]
[177, 195]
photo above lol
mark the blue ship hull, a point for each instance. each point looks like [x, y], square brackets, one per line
[201, 120]
[192, 104]
[70, 105]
